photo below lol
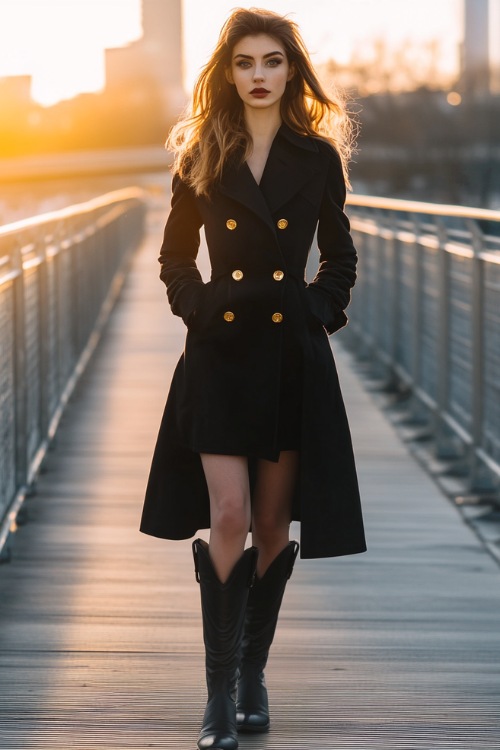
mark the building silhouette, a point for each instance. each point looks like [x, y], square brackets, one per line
[475, 58]
[142, 97]
[153, 63]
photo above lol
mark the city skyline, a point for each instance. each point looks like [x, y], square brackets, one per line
[330, 39]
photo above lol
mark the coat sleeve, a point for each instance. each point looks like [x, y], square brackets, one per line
[179, 250]
[330, 290]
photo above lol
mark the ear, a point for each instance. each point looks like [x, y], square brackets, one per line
[291, 72]
[229, 75]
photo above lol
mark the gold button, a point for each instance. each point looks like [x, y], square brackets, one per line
[237, 275]
[229, 316]
[231, 224]
[278, 275]
[282, 224]
[277, 317]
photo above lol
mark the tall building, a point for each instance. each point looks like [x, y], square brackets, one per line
[475, 72]
[495, 46]
[153, 62]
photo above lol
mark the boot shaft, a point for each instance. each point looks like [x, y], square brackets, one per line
[263, 606]
[223, 607]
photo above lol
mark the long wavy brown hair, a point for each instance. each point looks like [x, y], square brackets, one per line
[213, 129]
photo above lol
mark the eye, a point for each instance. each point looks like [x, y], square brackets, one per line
[273, 62]
[243, 64]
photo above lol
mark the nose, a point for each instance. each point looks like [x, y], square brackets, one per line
[258, 74]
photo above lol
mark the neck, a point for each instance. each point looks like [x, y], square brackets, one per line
[262, 124]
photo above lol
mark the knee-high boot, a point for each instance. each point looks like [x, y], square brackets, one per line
[223, 612]
[264, 602]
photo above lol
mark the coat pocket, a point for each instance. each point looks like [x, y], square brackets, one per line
[321, 310]
[210, 306]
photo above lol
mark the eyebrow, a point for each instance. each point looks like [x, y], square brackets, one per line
[269, 54]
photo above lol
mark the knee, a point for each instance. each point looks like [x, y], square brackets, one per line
[230, 515]
[269, 526]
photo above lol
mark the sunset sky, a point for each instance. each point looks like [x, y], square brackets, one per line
[61, 42]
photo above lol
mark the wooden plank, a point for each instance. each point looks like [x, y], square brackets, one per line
[100, 632]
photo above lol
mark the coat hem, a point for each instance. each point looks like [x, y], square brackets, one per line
[338, 552]
[266, 456]
[304, 555]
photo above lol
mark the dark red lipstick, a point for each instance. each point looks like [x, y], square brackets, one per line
[259, 92]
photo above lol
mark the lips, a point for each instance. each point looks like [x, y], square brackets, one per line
[259, 91]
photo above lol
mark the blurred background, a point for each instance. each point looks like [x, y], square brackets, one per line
[89, 89]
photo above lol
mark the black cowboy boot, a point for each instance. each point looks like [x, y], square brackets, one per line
[223, 611]
[264, 602]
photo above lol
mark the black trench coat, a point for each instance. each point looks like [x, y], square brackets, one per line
[224, 393]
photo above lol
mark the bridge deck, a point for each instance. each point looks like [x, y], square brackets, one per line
[100, 633]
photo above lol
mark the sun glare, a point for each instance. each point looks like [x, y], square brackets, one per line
[60, 43]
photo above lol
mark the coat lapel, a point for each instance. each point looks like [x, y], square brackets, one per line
[292, 162]
[239, 184]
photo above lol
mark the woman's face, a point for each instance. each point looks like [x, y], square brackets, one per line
[259, 70]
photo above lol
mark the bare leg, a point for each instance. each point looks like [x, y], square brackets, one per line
[229, 491]
[271, 515]
[272, 506]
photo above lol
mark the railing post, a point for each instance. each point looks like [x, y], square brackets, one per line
[444, 446]
[418, 412]
[20, 364]
[45, 340]
[376, 282]
[386, 295]
[478, 478]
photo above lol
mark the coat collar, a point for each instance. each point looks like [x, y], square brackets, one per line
[293, 160]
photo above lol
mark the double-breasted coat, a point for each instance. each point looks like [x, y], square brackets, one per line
[225, 391]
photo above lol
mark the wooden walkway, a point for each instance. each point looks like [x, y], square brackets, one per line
[100, 632]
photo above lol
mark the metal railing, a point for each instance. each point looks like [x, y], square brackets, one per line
[59, 276]
[426, 310]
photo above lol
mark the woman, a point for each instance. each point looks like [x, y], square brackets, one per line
[254, 432]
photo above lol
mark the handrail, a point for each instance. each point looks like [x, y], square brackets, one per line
[60, 274]
[426, 311]
[417, 207]
[71, 212]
